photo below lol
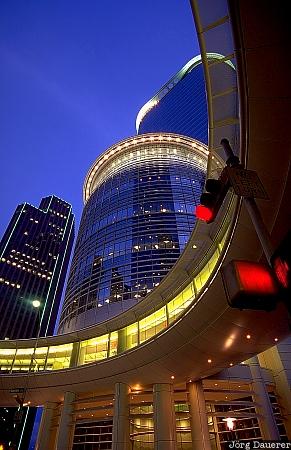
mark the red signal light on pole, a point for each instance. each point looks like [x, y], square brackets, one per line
[250, 285]
[211, 201]
[256, 278]
[204, 213]
[281, 263]
[281, 269]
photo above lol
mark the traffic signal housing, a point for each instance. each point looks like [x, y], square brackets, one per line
[281, 263]
[212, 199]
[250, 285]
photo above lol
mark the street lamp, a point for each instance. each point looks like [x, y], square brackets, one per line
[36, 303]
[18, 416]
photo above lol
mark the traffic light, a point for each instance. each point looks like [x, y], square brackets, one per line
[250, 285]
[211, 201]
[281, 263]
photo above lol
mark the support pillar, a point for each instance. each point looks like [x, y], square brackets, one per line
[120, 433]
[46, 435]
[66, 426]
[121, 343]
[164, 417]
[75, 354]
[272, 360]
[199, 423]
[266, 419]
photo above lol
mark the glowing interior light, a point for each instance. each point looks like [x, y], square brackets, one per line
[229, 422]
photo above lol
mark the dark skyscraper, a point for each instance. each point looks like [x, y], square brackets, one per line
[34, 255]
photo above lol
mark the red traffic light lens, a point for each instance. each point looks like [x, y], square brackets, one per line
[255, 277]
[282, 271]
[203, 213]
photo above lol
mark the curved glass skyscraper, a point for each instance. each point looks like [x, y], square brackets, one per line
[140, 197]
[180, 106]
[139, 201]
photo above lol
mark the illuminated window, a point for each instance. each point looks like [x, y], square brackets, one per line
[94, 349]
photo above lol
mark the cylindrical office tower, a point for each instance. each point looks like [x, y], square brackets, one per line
[139, 198]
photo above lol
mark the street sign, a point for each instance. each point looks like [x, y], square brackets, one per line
[17, 391]
[246, 183]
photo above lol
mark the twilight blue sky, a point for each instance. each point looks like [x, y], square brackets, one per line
[74, 74]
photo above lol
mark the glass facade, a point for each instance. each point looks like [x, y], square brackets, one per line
[137, 220]
[182, 110]
[180, 106]
[93, 435]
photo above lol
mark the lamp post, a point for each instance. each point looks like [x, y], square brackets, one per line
[18, 417]
[36, 305]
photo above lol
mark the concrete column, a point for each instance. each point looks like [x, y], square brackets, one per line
[215, 428]
[120, 433]
[199, 422]
[121, 343]
[271, 359]
[75, 354]
[66, 427]
[266, 419]
[164, 417]
[46, 435]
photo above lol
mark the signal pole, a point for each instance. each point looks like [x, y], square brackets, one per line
[247, 182]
